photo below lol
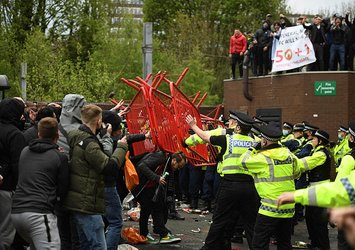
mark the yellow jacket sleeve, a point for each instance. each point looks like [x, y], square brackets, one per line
[194, 139]
[297, 165]
[331, 194]
[347, 165]
[311, 162]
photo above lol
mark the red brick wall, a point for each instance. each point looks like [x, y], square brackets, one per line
[294, 94]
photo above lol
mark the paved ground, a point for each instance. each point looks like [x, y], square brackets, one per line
[193, 240]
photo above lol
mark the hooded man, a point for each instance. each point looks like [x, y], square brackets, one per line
[69, 120]
[12, 142]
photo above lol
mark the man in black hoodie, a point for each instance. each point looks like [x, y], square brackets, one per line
[263, 41]
[12, 142]
[43, 178]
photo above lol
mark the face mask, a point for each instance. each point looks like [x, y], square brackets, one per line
[305, 135]
[340, 137]
[285, 132]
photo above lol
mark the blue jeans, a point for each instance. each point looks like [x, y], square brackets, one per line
[114, 217]
[90, 230]
[340, 50]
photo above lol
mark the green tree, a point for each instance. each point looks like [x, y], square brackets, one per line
[207, 24]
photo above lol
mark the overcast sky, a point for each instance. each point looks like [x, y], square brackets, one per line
[313, 6]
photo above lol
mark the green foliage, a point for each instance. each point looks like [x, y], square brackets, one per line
[70, 46]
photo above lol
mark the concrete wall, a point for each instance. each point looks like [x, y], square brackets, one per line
[294, 94]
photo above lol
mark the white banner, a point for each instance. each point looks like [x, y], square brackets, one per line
[293, 49]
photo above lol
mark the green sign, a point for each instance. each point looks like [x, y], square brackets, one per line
[325, 88]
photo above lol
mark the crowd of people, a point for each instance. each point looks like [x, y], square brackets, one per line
[264, 171]
[62, 184]
[333, 42]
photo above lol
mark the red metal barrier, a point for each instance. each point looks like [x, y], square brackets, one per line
[139, 122]
[164, 116]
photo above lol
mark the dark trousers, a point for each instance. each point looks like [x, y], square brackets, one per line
[158, 210]
[319, 53]
[263, 61]
[266, 226]
[300, 184]
[337, 50]
[68, 234]
[189, 180]
[237, 59]
[208, 182]
[233, 199]
[317, 226]
[216, 183]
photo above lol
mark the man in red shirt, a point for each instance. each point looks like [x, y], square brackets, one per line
[237, 47]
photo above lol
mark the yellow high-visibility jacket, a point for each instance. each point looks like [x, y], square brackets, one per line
[339, 193]
[274, 171]
[340, 150]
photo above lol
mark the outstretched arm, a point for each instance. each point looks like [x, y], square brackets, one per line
[202, 134]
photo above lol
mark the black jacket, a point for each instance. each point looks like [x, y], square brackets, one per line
[352, 29]
[263, 38]
[148, 169]
[321, 172]
[31, 134]
[313, 31]
[339, 34]
[12, 141]
[43, 176]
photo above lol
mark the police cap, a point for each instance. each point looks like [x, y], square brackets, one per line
[270, 132]
[241, 118]
[321, 134]
[259, 120]
[287, 125]
[255, 129]
[298, 127]
[352, 128]
[343, 129]
[308, 126]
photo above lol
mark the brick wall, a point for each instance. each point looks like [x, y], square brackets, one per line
[294, 94]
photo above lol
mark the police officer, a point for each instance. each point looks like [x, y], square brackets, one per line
[318, 165]
[342, 146]
[336, 194]
[286, 132]
[237, 194]
[348, 163]
[330, 194]
[304, 150]
[274, 168]
[294, 144]
[212, 172]
[308, 133]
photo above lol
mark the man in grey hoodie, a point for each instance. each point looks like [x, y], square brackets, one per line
[69, 120]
